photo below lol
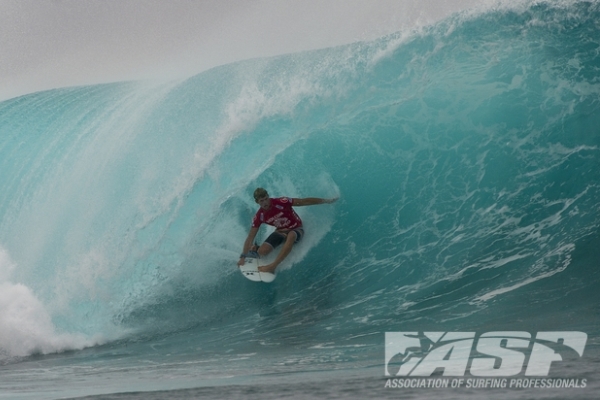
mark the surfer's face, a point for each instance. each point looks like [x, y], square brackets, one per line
[264, 202]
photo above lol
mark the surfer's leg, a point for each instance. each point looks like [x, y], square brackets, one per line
[272, 242]
[264, 249]
[285, 250]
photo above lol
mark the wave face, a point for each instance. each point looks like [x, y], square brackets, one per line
[466, 158]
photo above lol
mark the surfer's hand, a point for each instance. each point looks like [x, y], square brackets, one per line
[241, 261]
[332, 200]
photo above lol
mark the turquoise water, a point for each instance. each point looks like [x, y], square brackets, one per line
[466, 157]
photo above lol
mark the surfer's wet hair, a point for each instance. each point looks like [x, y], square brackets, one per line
[259, 193]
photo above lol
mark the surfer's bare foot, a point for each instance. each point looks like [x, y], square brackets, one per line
[268, 268]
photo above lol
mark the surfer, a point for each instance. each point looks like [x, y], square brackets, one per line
[277, 212]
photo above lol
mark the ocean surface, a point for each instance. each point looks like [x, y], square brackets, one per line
[466, 156]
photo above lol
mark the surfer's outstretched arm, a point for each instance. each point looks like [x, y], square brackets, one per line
[311, 201]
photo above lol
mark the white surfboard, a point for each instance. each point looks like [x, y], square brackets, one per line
[250, 271]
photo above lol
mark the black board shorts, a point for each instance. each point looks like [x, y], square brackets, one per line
[276, 238]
